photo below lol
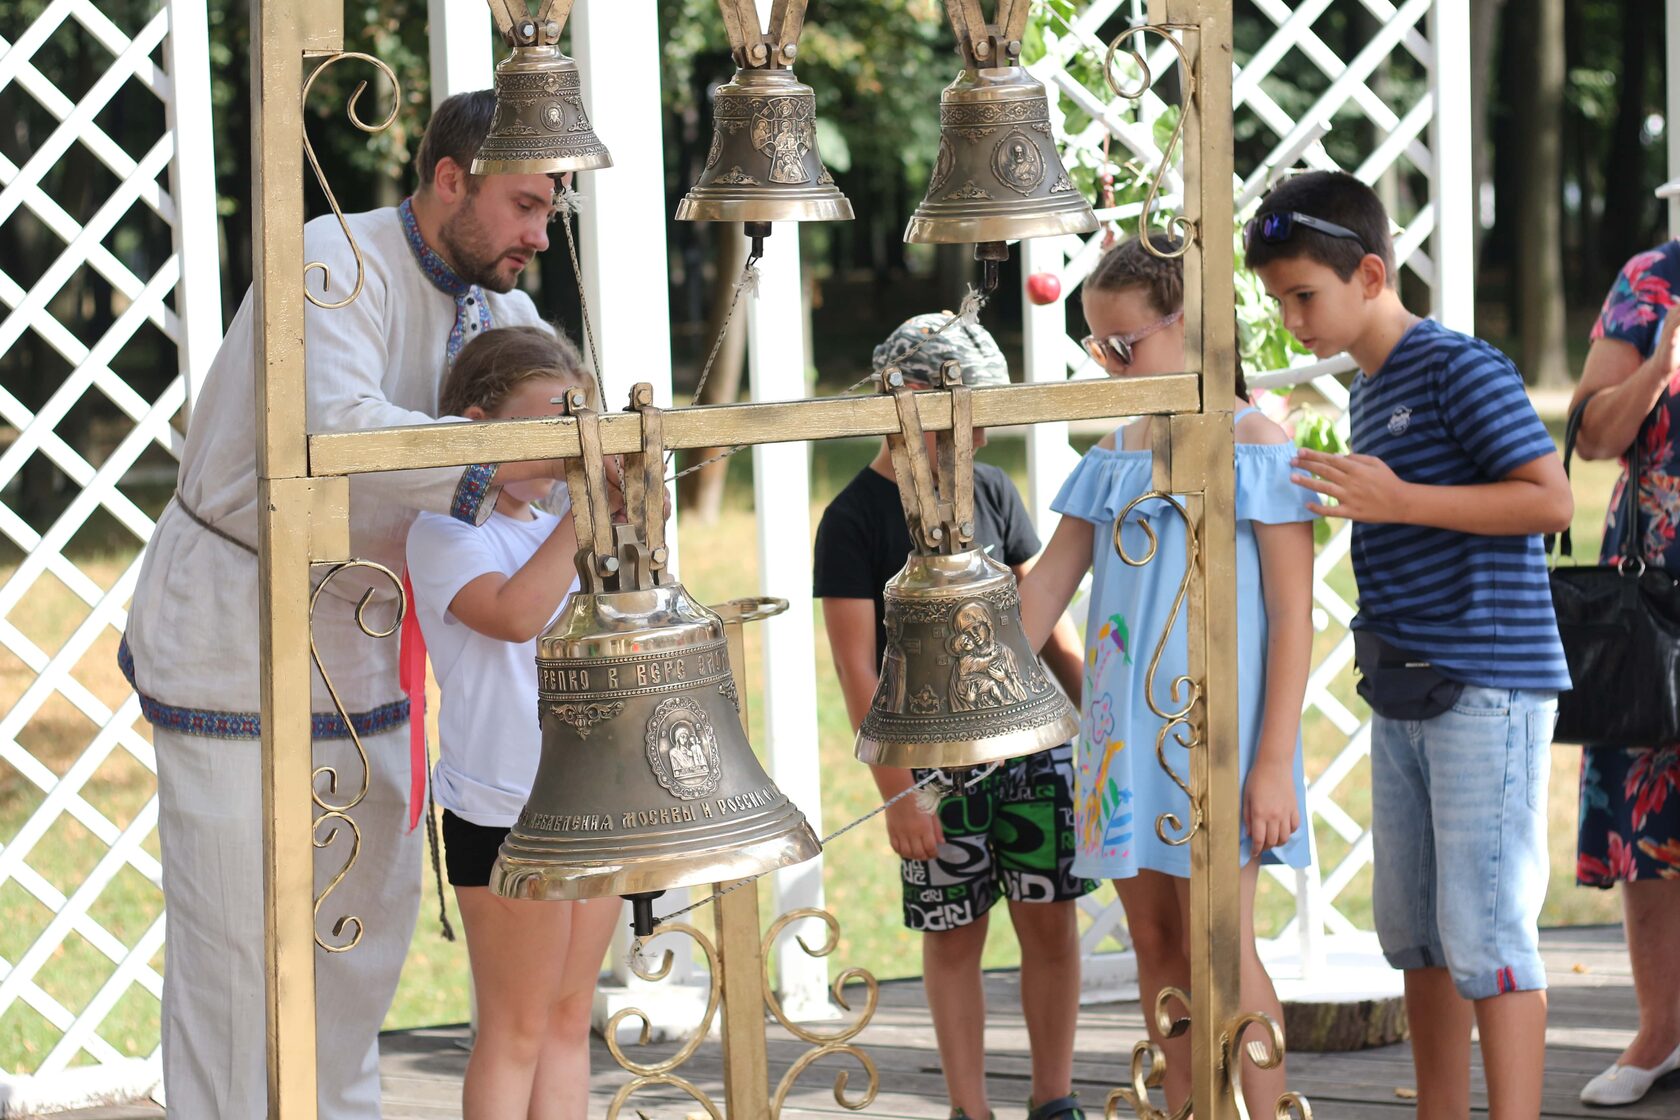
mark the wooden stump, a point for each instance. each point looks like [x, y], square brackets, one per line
[1325, 1025]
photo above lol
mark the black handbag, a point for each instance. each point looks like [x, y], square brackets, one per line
[1620, 625]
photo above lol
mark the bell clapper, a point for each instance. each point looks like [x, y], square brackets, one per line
[641, 912]
[990, 254]
[756, 232]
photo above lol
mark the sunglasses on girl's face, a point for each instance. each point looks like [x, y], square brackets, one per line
[1117, 348]
[1279, 226]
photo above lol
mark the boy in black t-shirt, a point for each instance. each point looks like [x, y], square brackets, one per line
[1012, 834]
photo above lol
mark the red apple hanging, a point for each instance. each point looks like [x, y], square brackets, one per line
[1044, 287]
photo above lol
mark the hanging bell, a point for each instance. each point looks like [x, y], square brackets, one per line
[960, 685]
[647, 781]
[540, 126]
[763, 165]
[998, 176]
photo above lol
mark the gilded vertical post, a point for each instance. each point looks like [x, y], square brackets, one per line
[281, 31]
[746, 1058]
[1211, 333]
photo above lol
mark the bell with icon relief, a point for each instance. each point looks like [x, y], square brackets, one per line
[540, 126]
[960, 685]
[998, 176]
[647, 781]
[763, 165]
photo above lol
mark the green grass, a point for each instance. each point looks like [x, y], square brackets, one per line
[860, 872]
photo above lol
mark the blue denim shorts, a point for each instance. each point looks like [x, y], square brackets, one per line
[1458, 806]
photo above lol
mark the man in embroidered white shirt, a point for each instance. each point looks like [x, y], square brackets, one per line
[439, 268]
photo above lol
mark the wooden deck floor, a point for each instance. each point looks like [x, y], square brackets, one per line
[1592, 1018]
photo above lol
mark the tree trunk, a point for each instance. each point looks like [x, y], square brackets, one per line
[701, 493]
[1580, 142]
[1627, 198]
[1539, 262]
[1484, 36]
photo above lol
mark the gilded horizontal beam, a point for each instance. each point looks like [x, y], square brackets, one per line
[506, 441]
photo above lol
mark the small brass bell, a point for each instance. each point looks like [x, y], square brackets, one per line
[960, 685]
[647, 781]
[540, 126]
[763, 165]
[998, 176]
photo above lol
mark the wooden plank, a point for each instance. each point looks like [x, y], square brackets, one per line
[1592, 1016]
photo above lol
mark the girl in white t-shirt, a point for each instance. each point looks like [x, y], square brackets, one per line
[482, 596]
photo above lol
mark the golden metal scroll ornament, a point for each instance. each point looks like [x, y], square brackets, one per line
[824, 1043]
[1149, 1065]
[1177, 223]
[324, 779]
[1266, 1053]
[1178, 722]
[648, 1075]
[321, 177]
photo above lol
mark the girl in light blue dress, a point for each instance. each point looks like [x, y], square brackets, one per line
[1133, 305]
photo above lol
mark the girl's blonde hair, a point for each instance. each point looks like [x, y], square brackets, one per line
[493, 365]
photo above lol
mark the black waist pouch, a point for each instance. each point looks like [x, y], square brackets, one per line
[1399, 685]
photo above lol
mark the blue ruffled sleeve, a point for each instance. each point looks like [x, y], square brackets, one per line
[1264, 492]
[1102, 484]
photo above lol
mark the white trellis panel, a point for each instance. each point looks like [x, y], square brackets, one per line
[173, 178]
[1434, 244]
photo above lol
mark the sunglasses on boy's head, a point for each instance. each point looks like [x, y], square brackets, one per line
[1279, 226]
[1118, 347]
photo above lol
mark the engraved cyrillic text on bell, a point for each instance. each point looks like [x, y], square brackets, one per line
[540, 126]
[763, 165]
[997, 175]
[959, 684]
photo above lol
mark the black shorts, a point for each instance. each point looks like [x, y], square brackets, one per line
[469, 850]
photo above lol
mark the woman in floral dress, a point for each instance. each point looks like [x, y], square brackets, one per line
[1630, 799]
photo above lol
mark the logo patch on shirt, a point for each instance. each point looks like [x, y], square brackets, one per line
[1399, 420]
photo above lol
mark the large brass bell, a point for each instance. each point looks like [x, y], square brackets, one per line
[647, 780]
[540, 126]
[960, 685]
[763, 165]
[998, 176]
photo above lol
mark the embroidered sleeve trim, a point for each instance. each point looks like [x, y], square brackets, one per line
[212, 724]
[475, 497]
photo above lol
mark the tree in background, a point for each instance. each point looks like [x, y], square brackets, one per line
[1538, 42]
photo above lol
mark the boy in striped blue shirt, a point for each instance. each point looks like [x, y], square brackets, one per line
[1451, 481]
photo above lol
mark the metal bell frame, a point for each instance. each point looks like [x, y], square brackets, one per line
[303, 500]
[997, 176]
[540, 126]
[959, 686]
[763, 165]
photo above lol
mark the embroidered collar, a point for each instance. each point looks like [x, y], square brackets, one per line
[437, 270]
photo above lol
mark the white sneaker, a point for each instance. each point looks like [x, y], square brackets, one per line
[1626, 1084]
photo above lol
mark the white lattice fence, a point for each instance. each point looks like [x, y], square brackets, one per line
[1400, 140]
[81, 909]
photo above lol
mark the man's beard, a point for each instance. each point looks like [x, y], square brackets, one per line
[463, 237]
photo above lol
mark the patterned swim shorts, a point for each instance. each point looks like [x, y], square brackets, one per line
[1011, 836]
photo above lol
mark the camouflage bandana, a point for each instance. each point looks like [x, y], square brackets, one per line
[970, 345]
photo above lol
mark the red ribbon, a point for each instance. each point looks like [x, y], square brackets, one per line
[411, 676]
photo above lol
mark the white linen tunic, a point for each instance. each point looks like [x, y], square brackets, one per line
[191, 651]
[377, 363]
